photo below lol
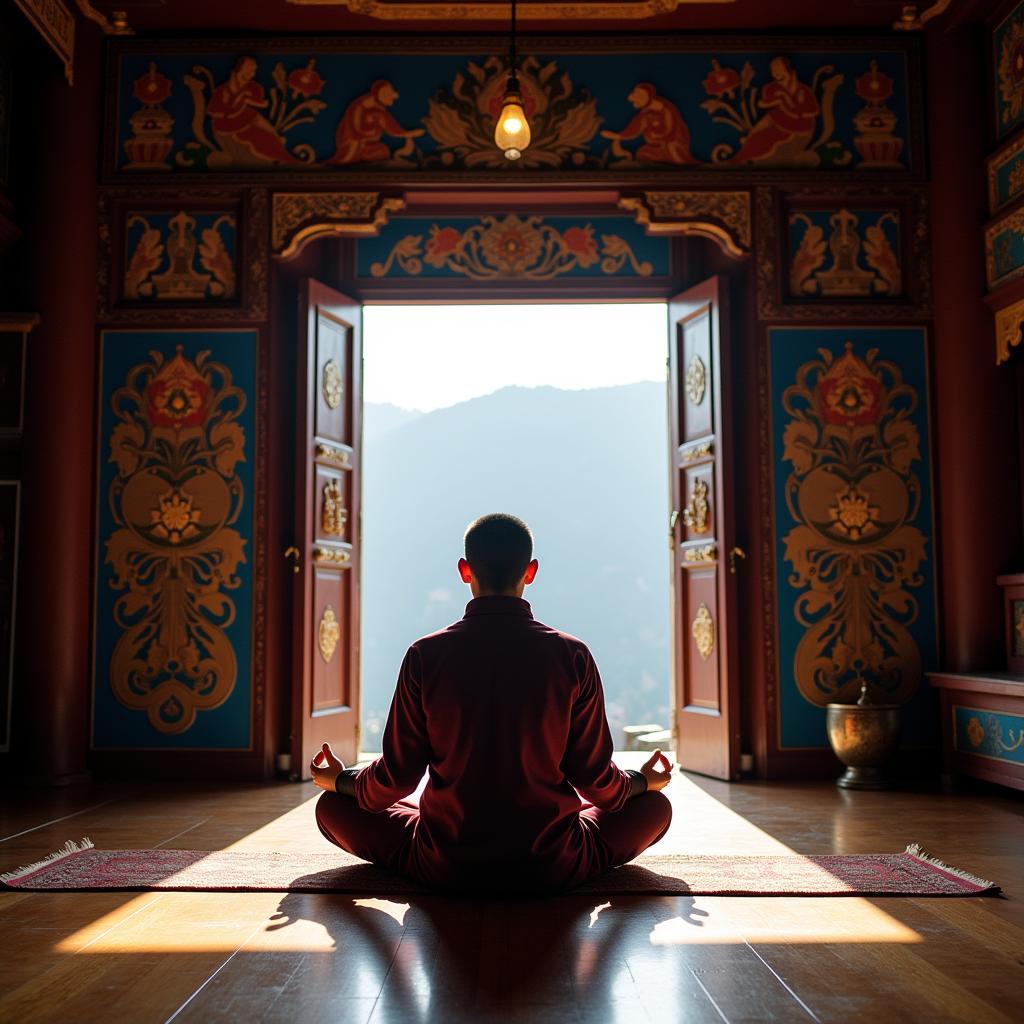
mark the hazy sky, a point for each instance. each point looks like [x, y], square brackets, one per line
[429, 357]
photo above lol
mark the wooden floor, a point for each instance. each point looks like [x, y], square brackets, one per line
[262, 957]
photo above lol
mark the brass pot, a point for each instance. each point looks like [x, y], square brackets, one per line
[864, 737]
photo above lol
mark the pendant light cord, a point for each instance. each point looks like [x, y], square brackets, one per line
[512, 45]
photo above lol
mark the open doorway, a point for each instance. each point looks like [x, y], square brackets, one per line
[556, 413]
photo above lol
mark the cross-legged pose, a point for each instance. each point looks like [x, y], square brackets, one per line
[507, 717]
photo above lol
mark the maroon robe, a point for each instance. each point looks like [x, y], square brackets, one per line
[507, 716]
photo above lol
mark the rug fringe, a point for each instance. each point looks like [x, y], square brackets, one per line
[66, 850]
[914, 849]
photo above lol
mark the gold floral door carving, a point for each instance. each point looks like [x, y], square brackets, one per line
[328, 634]
[333, 514]
[703, 631]
[695, 514]
[696, 379]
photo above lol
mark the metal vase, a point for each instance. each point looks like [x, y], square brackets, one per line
[864, 738]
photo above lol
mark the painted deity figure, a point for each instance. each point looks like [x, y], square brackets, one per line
[787, 127]
[243, 133]
[660, 124]
[365, 121]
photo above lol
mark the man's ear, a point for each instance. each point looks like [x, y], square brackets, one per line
[531, 571]
[465, 571]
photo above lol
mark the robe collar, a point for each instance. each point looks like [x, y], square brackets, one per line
[499, 604]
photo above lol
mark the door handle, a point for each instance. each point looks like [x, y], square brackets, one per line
[672, 520]
[733, 555]
[296, 556]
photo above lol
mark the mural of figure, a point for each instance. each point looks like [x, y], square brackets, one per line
[242, 132]
[660, 124]
[367, 118]
[786, 130]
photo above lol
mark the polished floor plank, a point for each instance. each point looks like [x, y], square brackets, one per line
[311, 957]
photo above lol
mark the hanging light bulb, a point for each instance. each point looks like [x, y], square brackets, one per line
[512, 131]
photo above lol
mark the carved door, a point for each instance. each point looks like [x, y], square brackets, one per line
[325, 696]
[707, 720]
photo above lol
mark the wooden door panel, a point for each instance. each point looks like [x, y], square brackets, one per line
[333, 394]
[325, 701]
[697, 366]
[332, 687]
[703, 603]
[701, 680]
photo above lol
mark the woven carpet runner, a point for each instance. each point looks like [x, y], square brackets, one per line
[79, 866]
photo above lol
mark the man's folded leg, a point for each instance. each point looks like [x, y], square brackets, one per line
[383, 838]
[624, 834]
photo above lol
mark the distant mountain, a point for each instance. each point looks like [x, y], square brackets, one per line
[379, 418]
[587, 470]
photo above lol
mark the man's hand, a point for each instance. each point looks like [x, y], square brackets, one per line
[326, 768]
[656, 779]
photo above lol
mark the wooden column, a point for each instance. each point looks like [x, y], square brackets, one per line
[977, 484]
[51, 725]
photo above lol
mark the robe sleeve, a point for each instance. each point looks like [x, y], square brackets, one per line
[588, 758]
[405, 748]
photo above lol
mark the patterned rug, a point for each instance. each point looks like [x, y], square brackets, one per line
[79, 866]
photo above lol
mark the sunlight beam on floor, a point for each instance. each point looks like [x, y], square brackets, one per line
[180, 922]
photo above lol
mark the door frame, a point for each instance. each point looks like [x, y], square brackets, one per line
[328, 253]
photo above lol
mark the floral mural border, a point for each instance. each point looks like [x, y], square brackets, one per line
[728, 104]
[512, 247]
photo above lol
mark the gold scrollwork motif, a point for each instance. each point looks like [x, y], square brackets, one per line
[330, 556]
[176, 500]
[724, 217]
[695, 515]
[703, 631]
[1009, 328]
[328, 634]
[298, 217]
[338, 456]
[331, 385]
[333, 515]
[854, 494]
[697, 451]
[701, 553]
[696, 380]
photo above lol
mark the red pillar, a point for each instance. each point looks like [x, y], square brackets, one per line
[51, 725]
[976, 468]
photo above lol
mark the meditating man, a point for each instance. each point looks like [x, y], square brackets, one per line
[507, 716]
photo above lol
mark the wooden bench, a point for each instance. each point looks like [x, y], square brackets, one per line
[983, 725]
